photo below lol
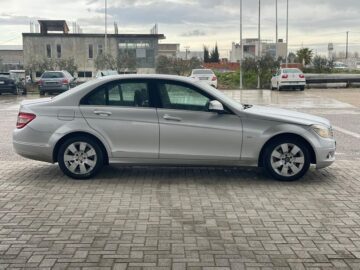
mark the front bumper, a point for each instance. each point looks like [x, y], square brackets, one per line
[325, 156]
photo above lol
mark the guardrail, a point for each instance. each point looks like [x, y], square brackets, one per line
[332, 78]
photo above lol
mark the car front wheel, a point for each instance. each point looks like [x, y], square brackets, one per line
[287, 160]
[80, 157]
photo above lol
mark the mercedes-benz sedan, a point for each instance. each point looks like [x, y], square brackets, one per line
[167, 120]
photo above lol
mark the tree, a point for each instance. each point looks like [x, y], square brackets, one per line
[67, 64]
[126, 61]
[104, 62]
[178, 66]
[194, 63]
[163, 65]
[292, 58]
[214, 56]
[304, 55]
[206, 55]
[322, 64]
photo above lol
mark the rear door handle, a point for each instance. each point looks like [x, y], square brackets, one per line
[171, 118]
[102, 113]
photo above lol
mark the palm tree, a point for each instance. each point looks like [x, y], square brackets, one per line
[305, 55]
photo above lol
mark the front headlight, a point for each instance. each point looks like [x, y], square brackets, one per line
[323, 131]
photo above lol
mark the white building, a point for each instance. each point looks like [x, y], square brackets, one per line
[251, 49]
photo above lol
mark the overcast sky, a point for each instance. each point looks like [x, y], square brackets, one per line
[193, 23]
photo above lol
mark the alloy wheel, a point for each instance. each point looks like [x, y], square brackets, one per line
[287, 159]
[80, 158]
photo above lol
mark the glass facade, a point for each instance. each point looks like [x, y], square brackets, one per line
[140, 52]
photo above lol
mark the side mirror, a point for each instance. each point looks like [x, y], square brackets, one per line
[216, 106]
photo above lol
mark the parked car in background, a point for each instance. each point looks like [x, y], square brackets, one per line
[7, 83]
[205, 75]
[340, 66]
[55, 82]
[102, 73]
[288, 78]
[167, 120]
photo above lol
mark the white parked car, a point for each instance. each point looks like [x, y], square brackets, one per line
[290, 78]
[102, 73]
[340, 66]
[205, 75]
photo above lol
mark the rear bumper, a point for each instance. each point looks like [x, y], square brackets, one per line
[33, 151]
[31, 144]
[7, 88]
[57, 88]
[292, 84]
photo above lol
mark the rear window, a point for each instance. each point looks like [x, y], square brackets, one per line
[202, 71]
[292, 70]
[52, 75]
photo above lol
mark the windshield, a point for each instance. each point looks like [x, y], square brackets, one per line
[292, 70]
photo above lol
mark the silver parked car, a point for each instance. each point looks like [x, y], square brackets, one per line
[167, 120]
[55, 82]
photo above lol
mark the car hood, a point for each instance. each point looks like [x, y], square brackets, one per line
[275, 114]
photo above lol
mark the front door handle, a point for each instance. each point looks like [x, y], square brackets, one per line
[102, 113]
[171, 118]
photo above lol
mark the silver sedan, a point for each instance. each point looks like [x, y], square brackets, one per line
[167, 120]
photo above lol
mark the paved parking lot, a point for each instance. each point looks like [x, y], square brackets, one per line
[187, 218]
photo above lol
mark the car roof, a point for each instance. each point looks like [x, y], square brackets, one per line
[144, 76]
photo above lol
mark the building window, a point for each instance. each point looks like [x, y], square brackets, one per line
[100, 49]
[84, 74]
[91, 51]
[48, 50]
[58, 50]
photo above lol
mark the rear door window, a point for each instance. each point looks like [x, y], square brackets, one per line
[126, 94]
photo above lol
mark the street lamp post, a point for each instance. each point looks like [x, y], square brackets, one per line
[259, 44]
[287, 32]
[105, 27]
[241, 48]
[277, 32]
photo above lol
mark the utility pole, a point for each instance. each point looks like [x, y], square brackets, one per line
[105, 27]
[287, 32]
[259, 44]
[347, 45]
[277, 32]
[241, 48]
[187, 52]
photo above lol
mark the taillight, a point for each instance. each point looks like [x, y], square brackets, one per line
[24, 119]
[40, 82]
[302, 76]
[64, 81]
[284, 76]
[214, 78]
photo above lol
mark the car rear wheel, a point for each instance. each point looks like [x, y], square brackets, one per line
[286, 159]
[80, 157]
[42, 93]
[302, 88]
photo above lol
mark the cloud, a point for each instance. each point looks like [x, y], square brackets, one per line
[194, 33]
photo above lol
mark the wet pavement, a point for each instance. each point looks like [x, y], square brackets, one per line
[186, 218]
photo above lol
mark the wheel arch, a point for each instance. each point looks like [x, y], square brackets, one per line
[287, 136]
[80, 133]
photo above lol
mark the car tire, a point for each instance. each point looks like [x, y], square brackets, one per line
[302, 88]
[286, 159]
[42, 93]
[80, 157]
